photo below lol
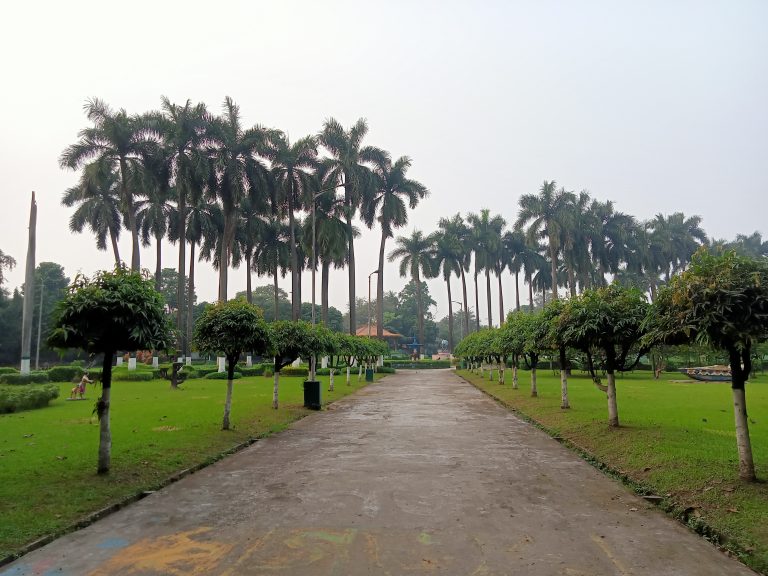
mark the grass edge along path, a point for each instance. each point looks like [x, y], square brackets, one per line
[715, 504]
[59, 518]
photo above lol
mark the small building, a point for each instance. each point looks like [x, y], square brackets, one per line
[391, 338]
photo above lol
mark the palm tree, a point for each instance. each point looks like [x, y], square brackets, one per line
[486, 235]
[457, 230]
[249, 227]
[532, 261]
[271, 255]
[752, 245]
[152, 217]
[546, 214]
[97, 196]
[575, 236]
[238, 173]
[514, 247]
[448, 255]
[610, 239]
[182, 130]
[291, 165]
[393, 195]
[676, 238]
[348, 166]
[331, 239]
[414, 254]
[118, 140]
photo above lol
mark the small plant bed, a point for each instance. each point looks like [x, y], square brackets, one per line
[156, 432]
[676, 440]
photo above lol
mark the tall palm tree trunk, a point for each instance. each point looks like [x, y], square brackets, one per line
[128, 205]
[420, 310]
[248, 289]
[501, 300]
[115, 248]
[351, 263]
[380, 289]
[466, 309]
[517, 291]
[488, 296]
[158, 262]
[190, 291]
[477, 304]
[572, 280]
[553, 266]
[295, 294]
[530, 294]
[324, 293]
[276, 298]
[182, 266]
[226, 244]
[450, 315]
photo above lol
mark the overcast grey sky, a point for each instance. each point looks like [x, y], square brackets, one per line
[658, 106]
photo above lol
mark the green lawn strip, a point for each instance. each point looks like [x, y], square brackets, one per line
[676, 440]
[48, 456]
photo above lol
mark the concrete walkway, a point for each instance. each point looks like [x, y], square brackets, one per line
[418, 474]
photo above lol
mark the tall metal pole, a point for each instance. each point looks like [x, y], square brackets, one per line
[461, 328]
[369, 301]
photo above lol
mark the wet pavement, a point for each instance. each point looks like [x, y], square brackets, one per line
[417, 474]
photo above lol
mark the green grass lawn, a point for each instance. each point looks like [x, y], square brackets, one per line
[48, 456]
[676, 440]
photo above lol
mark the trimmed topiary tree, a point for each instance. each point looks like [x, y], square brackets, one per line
[231, 328]
[118, 310]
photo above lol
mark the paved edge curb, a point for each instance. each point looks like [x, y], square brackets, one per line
[175, 477]
[702, 529]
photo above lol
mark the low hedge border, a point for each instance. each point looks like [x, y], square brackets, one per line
[65, 373]
[38, 377]
[18, 398]
[222, 376]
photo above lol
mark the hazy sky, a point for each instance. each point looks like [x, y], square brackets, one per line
[659, 106]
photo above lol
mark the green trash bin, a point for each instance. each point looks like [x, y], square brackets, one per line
[369, 374]
[312, 398]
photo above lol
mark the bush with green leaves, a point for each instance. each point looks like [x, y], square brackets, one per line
[65, 373]
[222, 376]
[255, 370]
[8, 370]
[34, 377]
[297, 371]
[133, 376]
[18, 398]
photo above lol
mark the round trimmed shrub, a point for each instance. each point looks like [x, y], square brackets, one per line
[17, 398]
[65, 373]
[222, 376]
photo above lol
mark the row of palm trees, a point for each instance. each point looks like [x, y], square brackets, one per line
[559, 239]
[235, 194]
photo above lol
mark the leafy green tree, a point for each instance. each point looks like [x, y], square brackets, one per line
[118, 140]
[168, 283]
[97, 196]
[294, 340]
[719, 301]
[556, 341]
[10, 327]
[610, 322]
[263, 297]
[511, 342]
[334, 318]
[118, 310]
[231, 328]
[349, 165]
[533, 328]
[414, 253]
[271, 255]
[51, 284]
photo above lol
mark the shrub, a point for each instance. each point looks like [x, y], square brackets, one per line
[190, 373]
[133, 376]
[203, 371]
[16, 398]
[291, 371]
[65, 373]
[268, 373]
[8, 370]
[38, 377]
[222, 376]
[255, 370]
[385, 370]
[80, 363]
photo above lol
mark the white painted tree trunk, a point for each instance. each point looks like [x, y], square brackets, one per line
[514, 377]
[348, 381]
[481, 369]
[746, 463]
[490, 373]
[564, 390]
[613, 408]
[227, 406]
[360, 373]
[105, 434]
[330, 385]
[534, 390]
[275, 389]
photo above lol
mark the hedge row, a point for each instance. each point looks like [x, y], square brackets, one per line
[222, 376]
[35, 377]
[17, 398]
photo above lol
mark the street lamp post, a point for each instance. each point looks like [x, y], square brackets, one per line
[369, 301]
